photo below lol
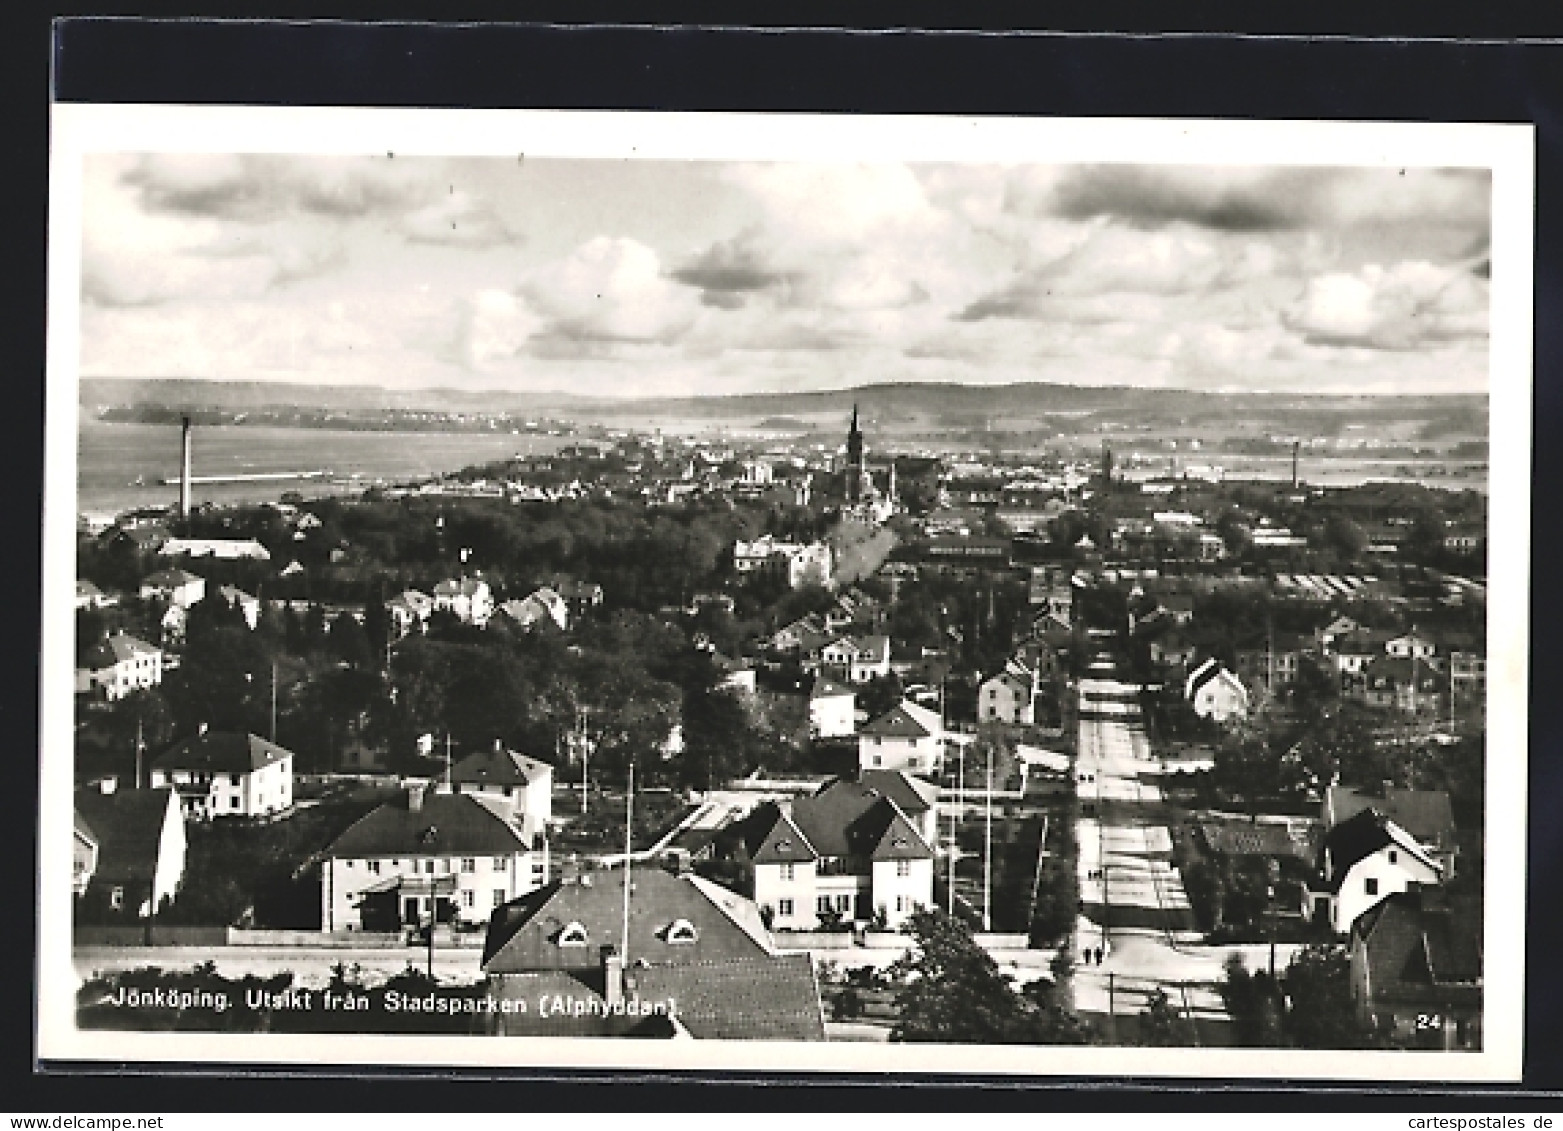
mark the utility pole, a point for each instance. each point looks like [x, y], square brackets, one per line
[987, 867]
[950, 897]
[274, 700]
[629, 828]
[140, 746]
[447, 760]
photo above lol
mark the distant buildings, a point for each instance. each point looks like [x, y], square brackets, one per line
[468, 599]
[1010, 696]
[225, 549]
[117, 666]
[907, 737]
[543, 606]
[174, 586]
[799, 563]
[1215, 693]
[832, 710]
[227, 774]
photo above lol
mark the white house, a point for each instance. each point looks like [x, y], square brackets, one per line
[907, 737]
[800, 564]
[1215, 692]
[542, 605]
[89, 596]
[227, 774]
[176, 586]
[523, 783]
[242, 601]
[130, 848]
[469, 599]
[409, 610]
[450, 857]
[857, 660]
[1409, 646]
[1009, 697]
[832, 710]
[1368, 858]
[117, 666]
[847, 852]
[227, 549]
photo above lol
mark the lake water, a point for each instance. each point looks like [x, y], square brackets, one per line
[111, 458]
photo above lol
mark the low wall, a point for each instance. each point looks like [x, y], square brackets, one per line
[813, 940]
[144, 935]
[363, 940]
[994, 941]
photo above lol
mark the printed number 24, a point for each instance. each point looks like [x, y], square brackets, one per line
[1429, 1021]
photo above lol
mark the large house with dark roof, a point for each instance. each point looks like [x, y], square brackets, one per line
[1416, 970]
[695, 961]
[521, 782]
[1424, 813]
[1368, 858]
[907, 737]
[130, 851]
[227, 774]
[454, 857]
[848, 852]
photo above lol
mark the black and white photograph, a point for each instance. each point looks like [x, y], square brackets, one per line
[626, 589]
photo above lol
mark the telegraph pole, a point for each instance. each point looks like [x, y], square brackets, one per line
[274, 700]
[629, 829]
[987, 867]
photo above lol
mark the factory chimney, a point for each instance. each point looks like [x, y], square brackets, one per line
[184, 468]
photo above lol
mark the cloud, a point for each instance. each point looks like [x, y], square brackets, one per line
[609, 290]
[1260, 200]
[260, 187]
[1408, 306]
[492, 327]
[730, 270]
[457, 219]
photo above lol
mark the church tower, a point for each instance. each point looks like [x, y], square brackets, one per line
[854, 461]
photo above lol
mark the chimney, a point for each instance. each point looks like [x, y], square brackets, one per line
[415, 798]
[184, 468]
[107, 786]
[612, 976]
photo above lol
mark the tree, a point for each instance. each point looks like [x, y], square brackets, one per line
[1159, 1022]
[954, 992]
[1321, 1013]
[1254, 1003]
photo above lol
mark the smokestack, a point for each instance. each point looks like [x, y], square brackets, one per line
[184, 468]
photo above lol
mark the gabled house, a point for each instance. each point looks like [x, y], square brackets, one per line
[1337, 628]
[1410, 646]
[85, 846]
[1216, 693]
[696, 962]
[1416, 970]
[449, 857]
[174, 586]
[917, 798]
[1009, 697]
[544, 606]
[89, 596]
[857, 660]
[409, 610]
[224, 549]
[1366, 859]
[580, 596]
[1355, 651]
[1424, 813]
[138, 856]
[907, 737]
[227, 774]
[243, 602]
[118, 665]
[1400, 684]
[832, 710]
[847, 853]
[468, 599]
[524, 783]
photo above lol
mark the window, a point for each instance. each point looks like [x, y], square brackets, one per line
[428, 867]
[499, 896]
[468, 898]
[499, 862]
[117, 898]
[822, 904]
[469, 864]
[681, 931]
[349, 864]
[786, 871]
[844, 903]
[878, 760]
[1393, 856]
[374, 867]
[573, 935]
[1371, 885]
[903, 868]
[784, 908]
[900, 903]
[233, 802]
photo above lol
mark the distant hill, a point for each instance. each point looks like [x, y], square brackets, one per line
[937, 405]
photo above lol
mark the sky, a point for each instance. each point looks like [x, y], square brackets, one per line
[641, 277]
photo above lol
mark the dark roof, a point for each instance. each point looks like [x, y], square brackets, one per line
[1419, 942]
[825, 689]
[848, 818]
[773, 998]
[113, 650]
[523, 934]
[769, 836]
[1424, 813]
[764, 998]
[448, 824]
[913, 796]
[170, 578]
[221, 751]
[1358, 838]
[904, 720]
[128, 826]
[498, 767]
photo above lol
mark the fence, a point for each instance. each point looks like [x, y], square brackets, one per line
[145, 934]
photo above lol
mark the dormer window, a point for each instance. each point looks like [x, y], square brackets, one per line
[573, 935]
[783, 845]
[681, 931]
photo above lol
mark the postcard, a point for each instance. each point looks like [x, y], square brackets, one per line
[786, 593]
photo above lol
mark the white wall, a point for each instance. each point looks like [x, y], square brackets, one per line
[512, 875]
[833, 716]
[1353, 898]
[914, 755]
[913, 890]
[770, 889]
